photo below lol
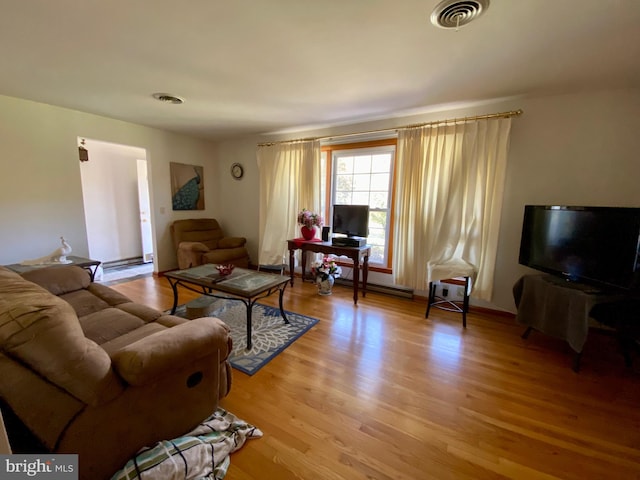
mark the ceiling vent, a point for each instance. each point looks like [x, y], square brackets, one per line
[457, 13]
[167, 98]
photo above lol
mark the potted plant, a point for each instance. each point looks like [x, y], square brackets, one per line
[326, 271]
[308, 221]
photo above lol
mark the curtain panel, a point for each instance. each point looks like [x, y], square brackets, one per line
[450, 184]
[290, 180]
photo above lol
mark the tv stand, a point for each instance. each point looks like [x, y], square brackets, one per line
[558, 308]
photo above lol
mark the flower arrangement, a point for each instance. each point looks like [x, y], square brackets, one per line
[326, 267]
[309, 219]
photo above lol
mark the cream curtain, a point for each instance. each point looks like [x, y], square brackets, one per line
[449, 184]
[289, 181]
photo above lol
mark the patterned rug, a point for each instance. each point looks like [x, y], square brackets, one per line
[269, 335]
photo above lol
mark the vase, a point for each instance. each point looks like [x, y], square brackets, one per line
[308, 233]
[325, 284]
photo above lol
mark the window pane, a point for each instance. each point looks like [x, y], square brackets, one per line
[361, 183]
[377, 254]
[343, 198]
[344, 165]
[379, 200]
[377, 220]
[363, 177]
[362, 164]
[360, 198]
[380, 181]
[381, 163]
[344, 183]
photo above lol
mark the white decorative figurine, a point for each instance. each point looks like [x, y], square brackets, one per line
[59, 255]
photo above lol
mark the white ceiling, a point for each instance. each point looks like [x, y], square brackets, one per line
[257, 66]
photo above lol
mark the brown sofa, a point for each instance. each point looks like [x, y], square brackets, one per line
[200, 241]
[88, 371]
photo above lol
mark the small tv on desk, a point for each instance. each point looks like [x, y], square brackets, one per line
[351, 224]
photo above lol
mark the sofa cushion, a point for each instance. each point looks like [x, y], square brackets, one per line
[224, 256]
[109, 295]
[133, 336]
[108, 324]
[84, 303]
[232, 242]
[146, 314]
[59, 279]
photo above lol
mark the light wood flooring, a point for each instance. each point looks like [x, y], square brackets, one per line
[376, 391]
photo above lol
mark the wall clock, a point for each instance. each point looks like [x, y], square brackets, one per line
[237, 171]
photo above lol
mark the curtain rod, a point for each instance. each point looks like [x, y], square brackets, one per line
[512, 113]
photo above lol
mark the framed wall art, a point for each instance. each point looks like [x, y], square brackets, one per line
[187, 186]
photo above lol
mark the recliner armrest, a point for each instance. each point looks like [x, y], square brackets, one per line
[151, 357]
[193, 246]
[231, 242]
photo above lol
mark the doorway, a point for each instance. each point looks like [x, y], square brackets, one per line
[115, 189]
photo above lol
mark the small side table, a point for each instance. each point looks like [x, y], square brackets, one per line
[89, 265]
[450, 305]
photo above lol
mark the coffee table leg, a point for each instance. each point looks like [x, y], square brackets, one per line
[286, 320]
[249, 308]
[174, 287]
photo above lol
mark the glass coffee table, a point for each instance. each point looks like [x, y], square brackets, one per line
[246, 286]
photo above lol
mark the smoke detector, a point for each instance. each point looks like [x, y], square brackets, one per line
[168, 98]
[456, 13]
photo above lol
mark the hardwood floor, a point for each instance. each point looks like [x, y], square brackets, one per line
[379, 392]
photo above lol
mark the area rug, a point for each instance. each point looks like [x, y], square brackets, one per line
[203, 453]
[270, 335]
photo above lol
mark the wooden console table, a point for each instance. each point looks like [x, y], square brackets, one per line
[357, 254]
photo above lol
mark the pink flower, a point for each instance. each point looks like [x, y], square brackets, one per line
[309, 219]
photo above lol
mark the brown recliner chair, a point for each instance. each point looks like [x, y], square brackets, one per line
[200, 241]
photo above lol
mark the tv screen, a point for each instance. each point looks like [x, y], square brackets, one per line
[593, 245]
[351, 220]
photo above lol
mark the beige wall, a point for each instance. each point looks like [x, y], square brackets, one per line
[40, 184]
[567, 149]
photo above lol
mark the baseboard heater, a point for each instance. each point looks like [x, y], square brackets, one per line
[386, 289]
[123, 263]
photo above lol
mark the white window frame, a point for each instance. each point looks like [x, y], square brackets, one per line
[369, 150]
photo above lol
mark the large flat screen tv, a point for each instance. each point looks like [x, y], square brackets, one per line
[593, 245]
[351, 220]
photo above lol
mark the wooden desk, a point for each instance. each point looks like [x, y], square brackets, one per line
[357, 254]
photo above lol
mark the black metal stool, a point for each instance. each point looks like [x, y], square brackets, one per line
[450, 305]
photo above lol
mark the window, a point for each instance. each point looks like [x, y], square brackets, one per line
[362, 174]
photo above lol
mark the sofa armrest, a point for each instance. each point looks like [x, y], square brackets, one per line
[231, 242]
[149, 358]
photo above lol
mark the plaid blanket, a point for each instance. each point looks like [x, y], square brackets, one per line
[202, 453]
